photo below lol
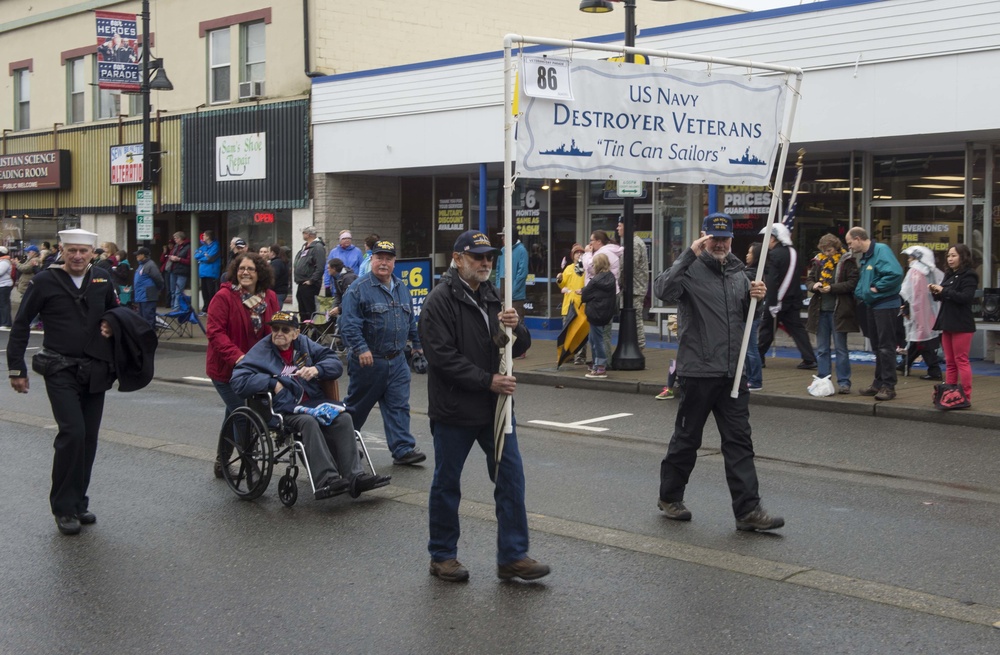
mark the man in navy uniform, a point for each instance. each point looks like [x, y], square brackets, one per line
[70, 298]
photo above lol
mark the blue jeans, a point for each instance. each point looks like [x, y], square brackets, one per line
[147, 309]
[452, 444]
[228, 396]
[597, 345]
[824, 332]
[177, 284]
[752, 365]
[386, 382]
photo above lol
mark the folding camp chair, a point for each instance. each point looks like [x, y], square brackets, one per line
[178, 322]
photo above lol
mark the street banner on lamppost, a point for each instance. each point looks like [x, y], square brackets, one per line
[633, 122]
[118, 54]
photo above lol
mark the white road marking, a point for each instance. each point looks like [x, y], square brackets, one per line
[195, 378]
[582, 425]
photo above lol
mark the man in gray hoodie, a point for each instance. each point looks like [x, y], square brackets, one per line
[712, 294]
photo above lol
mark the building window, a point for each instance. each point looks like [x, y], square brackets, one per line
[218, 62]
[22, 99]
[109, 103]
[252, 52]
[75, 85]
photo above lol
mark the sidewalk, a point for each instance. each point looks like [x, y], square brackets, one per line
[784, 385]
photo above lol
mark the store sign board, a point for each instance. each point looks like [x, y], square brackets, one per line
[416, 274]
[35, 171]
[241, 157]
[126, 164]
[629, 121]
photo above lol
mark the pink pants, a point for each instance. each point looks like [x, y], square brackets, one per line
[956, 353]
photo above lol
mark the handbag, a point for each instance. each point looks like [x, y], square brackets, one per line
[950, 396]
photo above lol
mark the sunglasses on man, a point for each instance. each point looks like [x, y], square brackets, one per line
[281, 329]
[488, 256]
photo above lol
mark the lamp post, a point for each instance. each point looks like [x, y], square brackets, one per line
[160, 82]
[627, 356]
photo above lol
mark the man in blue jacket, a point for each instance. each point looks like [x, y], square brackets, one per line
[878, 306]
[346, 252]
[376, 321]
[209, 267]
[291, 366]
[146, 285]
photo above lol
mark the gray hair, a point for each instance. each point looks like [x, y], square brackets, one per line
[310, 230]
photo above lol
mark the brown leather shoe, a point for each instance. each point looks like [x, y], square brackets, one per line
[869, 391]
[885, 393]
[450, 570]
[526, 569]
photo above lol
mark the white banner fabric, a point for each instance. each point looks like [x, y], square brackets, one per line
[629, 121]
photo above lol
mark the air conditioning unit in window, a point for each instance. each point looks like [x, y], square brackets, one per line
[251, 90]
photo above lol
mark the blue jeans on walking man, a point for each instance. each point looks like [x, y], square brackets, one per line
[452, 444]
[824, 332]
[386, 382]
[753, 366]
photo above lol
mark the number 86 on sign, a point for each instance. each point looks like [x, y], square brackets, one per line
[546, 77]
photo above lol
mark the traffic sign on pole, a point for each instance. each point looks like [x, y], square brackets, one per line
[143, 215]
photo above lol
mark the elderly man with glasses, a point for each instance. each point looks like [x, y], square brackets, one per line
[291, 366]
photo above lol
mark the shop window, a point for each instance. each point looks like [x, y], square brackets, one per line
[937, 227]
[22, 99]
[252, 52]
[75, 86]
[919, 176]
[218, 66]
[416, 202]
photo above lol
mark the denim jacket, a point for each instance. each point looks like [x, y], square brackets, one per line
[377, 320]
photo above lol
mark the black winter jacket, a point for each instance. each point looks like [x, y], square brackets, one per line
[958, 292]
[600, 299]
[775, 268]
[461, 354]
[713, 300]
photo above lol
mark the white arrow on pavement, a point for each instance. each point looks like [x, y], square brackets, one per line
[582, 425]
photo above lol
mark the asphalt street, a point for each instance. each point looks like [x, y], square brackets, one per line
[890, 543]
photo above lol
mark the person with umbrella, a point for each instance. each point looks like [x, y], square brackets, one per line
[462, 330]
[570, 282]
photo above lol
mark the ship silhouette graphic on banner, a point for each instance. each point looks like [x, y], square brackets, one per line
[629, 121]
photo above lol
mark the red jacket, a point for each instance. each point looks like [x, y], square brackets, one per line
[230, 332]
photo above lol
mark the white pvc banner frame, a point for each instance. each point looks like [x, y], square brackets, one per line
[791, 77]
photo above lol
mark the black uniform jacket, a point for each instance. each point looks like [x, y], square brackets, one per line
[72, 319]
[134, 346]
[461, 354]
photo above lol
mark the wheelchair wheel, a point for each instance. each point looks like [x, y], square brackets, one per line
[288, 490]
[249, 464]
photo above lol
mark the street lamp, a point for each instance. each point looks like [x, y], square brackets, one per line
[159, 82]
[627, 356]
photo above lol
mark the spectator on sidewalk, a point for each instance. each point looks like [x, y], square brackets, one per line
[832, 279]
[346, 252]
[957, 292]
[146, 285]
[640, 279]
[570, 281]
[784, 296]
[712, 293]
[366, 262]
[599, 303]
[600, 242]
[308, 271]
[878, 305]
[209, 258]
[920, 311]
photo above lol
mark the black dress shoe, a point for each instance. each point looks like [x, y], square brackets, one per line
[931, 377]
[86, 517]
[807, 366]
[68, 524]
[333, 488]
[367, 482]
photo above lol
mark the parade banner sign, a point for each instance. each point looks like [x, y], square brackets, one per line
[633, 122]
[118, 52]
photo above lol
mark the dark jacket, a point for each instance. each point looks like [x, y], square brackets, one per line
[72, 321]
[713, 300]
[310, 263]
[845, 280]
[599, 296]
[280, 268]
[182, 266]
[261, 369]
[779, 259]
[958, 292]
[134, 344]
[461, 354]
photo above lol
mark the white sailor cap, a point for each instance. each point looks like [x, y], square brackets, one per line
[78, 237]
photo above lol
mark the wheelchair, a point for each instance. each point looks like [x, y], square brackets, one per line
[260, 440]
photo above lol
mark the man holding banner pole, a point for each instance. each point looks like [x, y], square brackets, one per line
[713, 297]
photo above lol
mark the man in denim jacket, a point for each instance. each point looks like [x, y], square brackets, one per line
[377, 320]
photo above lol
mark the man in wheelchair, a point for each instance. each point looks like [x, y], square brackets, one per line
[292, 367]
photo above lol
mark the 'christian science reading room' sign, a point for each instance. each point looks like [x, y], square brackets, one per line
[627, 121]
[35, 171]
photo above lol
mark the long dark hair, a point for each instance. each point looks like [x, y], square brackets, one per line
[756, 248]
[265, 276]
[964, 256]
